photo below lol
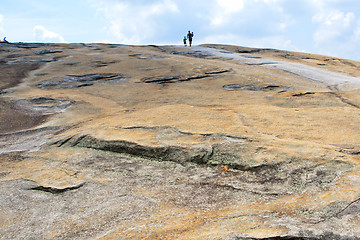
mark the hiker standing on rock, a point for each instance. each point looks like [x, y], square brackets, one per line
[190, 37]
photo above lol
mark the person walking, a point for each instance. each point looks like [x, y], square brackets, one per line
[185, 39]
[190, 37]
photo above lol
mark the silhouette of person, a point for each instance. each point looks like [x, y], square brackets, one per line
[5, 41]
[190, 37]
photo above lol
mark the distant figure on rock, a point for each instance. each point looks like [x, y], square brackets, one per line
[190, 37]
[185, 39]
[5, 41]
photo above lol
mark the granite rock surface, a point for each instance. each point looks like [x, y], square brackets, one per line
[105, 141]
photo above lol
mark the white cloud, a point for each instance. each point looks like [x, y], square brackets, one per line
[357, 32]
[43, 35]
[331, 25]
[217, 20]
[2, 31]
[224, 11]
[334, 18]
[337, 30]
[231, 5]
[273, 1]
[133, 23]
[250, 12]
[322, 36]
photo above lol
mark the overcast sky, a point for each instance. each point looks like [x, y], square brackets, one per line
[330, 27]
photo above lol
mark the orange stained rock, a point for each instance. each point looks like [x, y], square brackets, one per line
[225, 168]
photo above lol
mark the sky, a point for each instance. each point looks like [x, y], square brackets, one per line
[328, 27]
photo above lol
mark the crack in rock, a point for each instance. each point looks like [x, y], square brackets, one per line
[232, 87]
[344, 100]
[260, 63]
[302, 94]
[228, 186]
[161, 80]
[347, 207]
[54, 190]
[353, 152]
[174, 79]
[218, 72]
[187, 133]
[345, 210]
[60, 143]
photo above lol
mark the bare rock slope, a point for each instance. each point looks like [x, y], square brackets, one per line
[162, 142]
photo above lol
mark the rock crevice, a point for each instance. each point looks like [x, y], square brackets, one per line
[55, 190]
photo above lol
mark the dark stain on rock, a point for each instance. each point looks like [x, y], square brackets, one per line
[256, 50]
[76, 81]
[13, 118]
[70, 63]
[48, 52]
[191, 54]
[42, 105]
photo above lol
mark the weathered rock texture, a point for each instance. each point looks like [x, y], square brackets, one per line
[148, 142]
